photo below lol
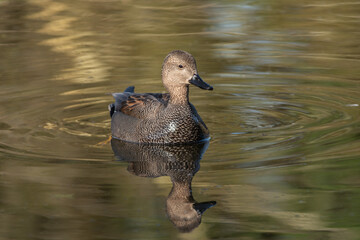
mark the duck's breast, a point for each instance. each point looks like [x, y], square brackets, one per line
[176, 124]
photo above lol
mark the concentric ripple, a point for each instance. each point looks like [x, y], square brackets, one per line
[304, 119]
[277, 94]
[284, 117]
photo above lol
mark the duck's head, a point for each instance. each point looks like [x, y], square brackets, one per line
[179, 69]
[185, 213]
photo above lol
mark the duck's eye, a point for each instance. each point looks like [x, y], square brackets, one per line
[181, 66]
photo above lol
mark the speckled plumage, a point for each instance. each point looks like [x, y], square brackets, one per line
[161, 118]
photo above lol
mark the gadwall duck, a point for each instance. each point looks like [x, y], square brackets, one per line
[158, 118]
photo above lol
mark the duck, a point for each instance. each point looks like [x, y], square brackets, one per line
[162, 118]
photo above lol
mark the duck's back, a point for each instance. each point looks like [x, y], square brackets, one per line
[150, 118]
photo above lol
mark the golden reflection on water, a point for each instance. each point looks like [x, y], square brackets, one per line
[68, 40]
[284, 117]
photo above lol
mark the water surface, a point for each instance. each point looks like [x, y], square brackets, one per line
[283, 159]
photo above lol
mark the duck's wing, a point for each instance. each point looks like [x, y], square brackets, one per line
[119, 98]
[141, 105]
[162, 97]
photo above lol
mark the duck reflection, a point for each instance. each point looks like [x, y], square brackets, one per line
[180, 163]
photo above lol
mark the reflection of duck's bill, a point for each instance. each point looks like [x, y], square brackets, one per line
[201, 207]
[197, 81]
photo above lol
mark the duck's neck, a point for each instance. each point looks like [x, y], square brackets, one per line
[181, 189]
[179, 94]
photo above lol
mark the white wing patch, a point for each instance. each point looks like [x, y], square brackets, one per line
[172, 127]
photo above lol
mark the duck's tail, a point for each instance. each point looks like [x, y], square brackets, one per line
[111, 108]
[119, 97]
[130, 89]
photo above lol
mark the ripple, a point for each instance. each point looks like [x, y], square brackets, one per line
[278, 92]
[57, 130]
[280, 123]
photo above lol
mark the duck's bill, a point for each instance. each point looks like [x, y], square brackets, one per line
[197, 81]
[201, 207]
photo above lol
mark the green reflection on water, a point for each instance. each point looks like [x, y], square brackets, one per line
[284, 117]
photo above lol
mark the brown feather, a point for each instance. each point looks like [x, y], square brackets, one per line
[136, 105]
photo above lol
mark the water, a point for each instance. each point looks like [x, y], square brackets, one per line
[283, 159]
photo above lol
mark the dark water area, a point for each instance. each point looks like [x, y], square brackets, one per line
[283, 161]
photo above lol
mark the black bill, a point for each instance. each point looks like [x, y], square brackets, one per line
[197, 81]
[201, 207]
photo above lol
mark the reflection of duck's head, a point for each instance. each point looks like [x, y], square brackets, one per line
[180, 163]
[183, 211]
